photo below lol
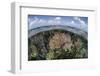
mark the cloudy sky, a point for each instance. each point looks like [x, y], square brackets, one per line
[35, 21]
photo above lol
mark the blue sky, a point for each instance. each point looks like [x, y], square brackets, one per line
[35, 21]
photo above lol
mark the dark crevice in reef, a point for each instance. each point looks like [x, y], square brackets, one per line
[57, 44]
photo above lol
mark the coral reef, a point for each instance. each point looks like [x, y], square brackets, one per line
[57, 44]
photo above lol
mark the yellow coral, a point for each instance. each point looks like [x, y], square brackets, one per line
[60, 40]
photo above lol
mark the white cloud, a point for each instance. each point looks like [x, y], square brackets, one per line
[34, 21]
[72, 22]
[82, 24]
[58, 18]
[41, 21]
[76, 18]
[55, 21]
[37, 22]
[50, 21]
[58, 22]
[79, 20]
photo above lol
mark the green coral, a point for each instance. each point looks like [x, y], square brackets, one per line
[50, 55]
